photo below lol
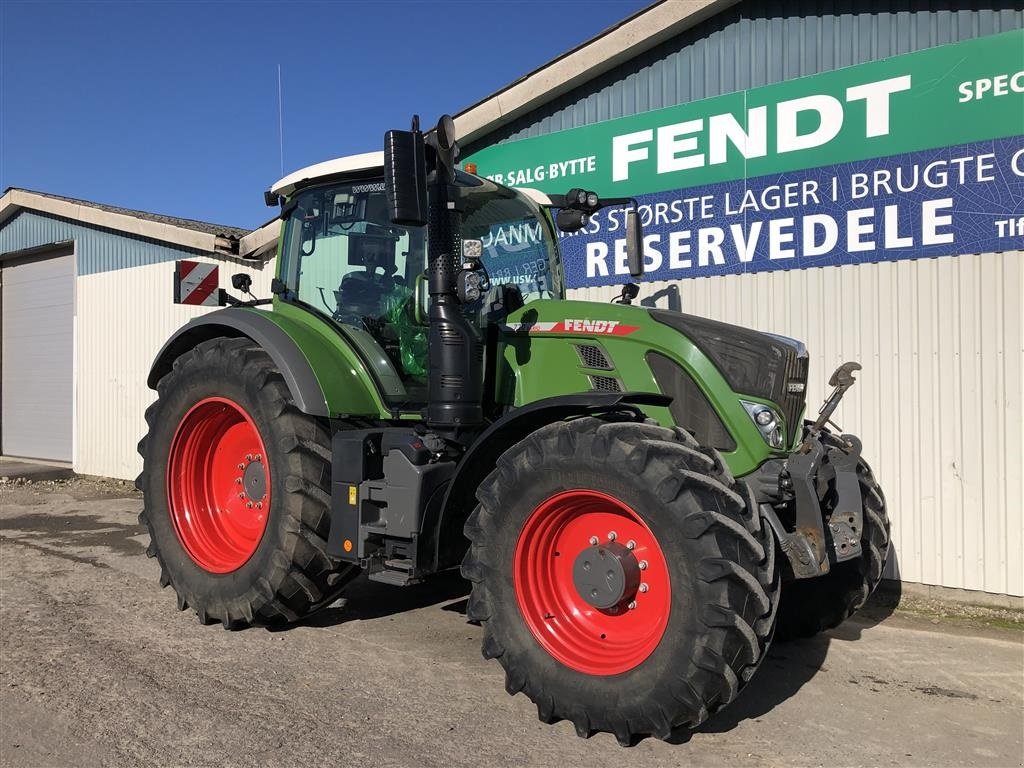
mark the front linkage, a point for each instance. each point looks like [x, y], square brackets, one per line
[817, 490]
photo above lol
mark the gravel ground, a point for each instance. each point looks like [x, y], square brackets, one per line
[98, 668]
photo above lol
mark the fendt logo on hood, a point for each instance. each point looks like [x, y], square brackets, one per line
[605, 327]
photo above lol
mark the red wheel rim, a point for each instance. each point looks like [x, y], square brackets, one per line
[584, 638]
[218, 485]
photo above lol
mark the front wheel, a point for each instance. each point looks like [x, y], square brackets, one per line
[625, 581]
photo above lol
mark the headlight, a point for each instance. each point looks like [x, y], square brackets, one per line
[767, 422]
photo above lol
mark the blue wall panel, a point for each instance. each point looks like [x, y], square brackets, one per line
[759, 43]
[97, 249]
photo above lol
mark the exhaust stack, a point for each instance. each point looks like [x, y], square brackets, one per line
[419, 174]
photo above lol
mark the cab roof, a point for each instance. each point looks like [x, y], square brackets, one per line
[364, 162]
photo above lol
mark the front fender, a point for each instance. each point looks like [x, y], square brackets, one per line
[514, 426]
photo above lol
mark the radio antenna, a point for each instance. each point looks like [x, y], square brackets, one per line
[280, 120]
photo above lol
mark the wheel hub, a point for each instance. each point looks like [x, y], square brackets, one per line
[606, 576]
[254, 481]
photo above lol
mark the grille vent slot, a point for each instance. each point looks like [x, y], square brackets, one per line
[451, 381]
[605, 384]
[449, 335]
[592, 356]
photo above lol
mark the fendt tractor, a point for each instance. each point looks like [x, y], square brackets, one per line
[632, 492]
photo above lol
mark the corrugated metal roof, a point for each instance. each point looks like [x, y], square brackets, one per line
[760, 42]
[97, 249]
[220, 230]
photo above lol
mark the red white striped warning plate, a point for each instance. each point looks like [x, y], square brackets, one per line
[196, 282]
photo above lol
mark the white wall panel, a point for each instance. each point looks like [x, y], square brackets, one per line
[124, 317]
[938, 403]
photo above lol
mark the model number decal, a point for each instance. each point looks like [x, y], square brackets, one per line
[605, 327]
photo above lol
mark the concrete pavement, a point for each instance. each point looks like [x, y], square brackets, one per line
[98, 668]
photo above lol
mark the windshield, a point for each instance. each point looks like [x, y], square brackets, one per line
[518, 242]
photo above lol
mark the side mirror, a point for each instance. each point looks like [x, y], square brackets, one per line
[405, 176]
[634, 243]
[421, 300]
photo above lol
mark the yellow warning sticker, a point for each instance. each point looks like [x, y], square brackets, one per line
[352, 495]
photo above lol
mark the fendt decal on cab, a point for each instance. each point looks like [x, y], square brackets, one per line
[606, 327]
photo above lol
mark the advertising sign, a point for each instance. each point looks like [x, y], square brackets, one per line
[914, 156]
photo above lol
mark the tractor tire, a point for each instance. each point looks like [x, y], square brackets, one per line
[810, 606]
[236, 490]
[670, 650]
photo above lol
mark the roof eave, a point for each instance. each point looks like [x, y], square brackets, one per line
[628, 39]
[15, 200]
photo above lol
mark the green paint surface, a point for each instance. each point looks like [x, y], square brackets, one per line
[346, 383]
[538, 365]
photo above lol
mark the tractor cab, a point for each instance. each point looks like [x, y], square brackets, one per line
[343, 258]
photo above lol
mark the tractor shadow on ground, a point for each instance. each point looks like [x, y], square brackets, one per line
[792, 664]
[364, 599]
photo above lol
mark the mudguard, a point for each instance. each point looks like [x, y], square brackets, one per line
[258, 326]
[480, 459]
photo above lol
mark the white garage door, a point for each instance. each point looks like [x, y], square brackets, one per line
[36, 328]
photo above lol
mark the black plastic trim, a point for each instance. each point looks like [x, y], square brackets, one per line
[296, 370]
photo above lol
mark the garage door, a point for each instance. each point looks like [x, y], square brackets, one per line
[36, 328]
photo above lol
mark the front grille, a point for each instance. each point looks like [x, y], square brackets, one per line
[605, 384]
[793, 402]
[690, 407]
[592, 356]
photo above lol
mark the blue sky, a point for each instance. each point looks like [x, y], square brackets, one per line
[172, 107]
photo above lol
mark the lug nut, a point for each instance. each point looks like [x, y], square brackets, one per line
[632, 605]
[644, 587]
[241, 495]
[593, 541]
[259, 505]
[611, 535]
[238, 481]
[248, 505]
[248, 457]
[643, 565]
[241, 466]
[630, 544]
[258, 457]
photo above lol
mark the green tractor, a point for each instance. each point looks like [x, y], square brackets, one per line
[632, 492]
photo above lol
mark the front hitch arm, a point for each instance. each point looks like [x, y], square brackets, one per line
[807, 547]
[841, 380]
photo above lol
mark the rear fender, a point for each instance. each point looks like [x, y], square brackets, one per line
[324, 393]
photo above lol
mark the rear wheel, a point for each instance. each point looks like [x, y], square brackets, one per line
[624, 579]
[810, 606]
[236, 483]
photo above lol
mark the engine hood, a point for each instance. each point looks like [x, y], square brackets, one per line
[762, 365]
